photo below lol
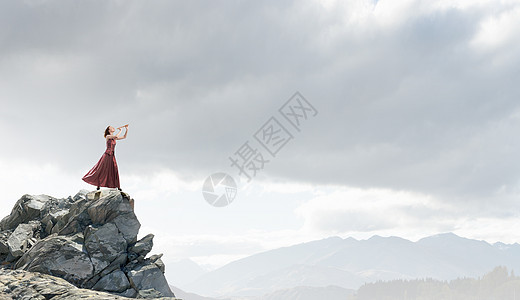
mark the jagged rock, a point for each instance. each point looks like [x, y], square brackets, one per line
[90, 240]
[60, 256]
[113, 282]
[149, 294]
[76, 220]
[149, 276]
[104, 244]
[143, 246]
[132, 265]
[4, 248]
[18, 284]
[26, 209]
[19, 241]
[159, 263]
[48, 224]
[9, 260]
[117, 210]
[155, 257]
[130, 293]
[82, 194]
[54, 213]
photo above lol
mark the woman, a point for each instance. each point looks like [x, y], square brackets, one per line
[105, 172]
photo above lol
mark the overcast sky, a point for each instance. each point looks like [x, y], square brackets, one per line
[416, 131]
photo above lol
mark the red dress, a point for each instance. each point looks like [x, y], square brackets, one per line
[105, 173]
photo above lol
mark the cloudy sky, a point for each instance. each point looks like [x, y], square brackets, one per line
[416, 131]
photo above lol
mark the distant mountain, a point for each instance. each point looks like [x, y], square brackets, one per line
[330, 292]
[191, 296]
[189, 271]
[309, 293]
[348, 263]
[497, 284]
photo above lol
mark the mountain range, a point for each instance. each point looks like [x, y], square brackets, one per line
[349, 263]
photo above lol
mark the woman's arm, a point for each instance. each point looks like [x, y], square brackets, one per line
[116, 136]
[126, 132]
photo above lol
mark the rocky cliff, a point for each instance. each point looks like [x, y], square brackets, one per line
[89, 240]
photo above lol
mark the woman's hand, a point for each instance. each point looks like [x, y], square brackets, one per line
[120, 130]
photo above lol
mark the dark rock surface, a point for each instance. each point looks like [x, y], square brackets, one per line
[89, 240]
[19, 284]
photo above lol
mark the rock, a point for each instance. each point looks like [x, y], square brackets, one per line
[159, 263]
[156, 259]
[104, 244]
[89, 240]
[18, 242]
[75, 220]
[130, 293]
[4, 248]
[82, 194]
[128, 225]
[116, 209]
[18, 284]
[116, 264]
[149, 276]
[143, 246]
[149, 294]
[113, 282]
[60, 256]
[48, 224]
[26, 209]
[9, 259]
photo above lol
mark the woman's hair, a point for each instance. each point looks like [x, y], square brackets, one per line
[106, 131]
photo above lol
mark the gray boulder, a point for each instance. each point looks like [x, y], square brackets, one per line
[143, 246]
[75, 220]
[20, 240]
[160, 264]
[130, 293]
[18, 284]
[115, 209]
[89, 240]
[4, 247]
[26, 209]
[148, 276]
[149, 294]
[61, 256]
[113, 282]
[104, 244]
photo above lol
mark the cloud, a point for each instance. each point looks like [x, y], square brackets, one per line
[498, 30]
[19, 177]
[364, 212]
[367, 210]
[412, 96]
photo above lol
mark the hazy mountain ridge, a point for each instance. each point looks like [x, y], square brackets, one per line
[190, 271]
[497, 284]
[348, 263]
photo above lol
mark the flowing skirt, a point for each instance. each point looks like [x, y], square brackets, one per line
[104, 173]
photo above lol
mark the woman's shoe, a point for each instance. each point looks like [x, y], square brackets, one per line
[120, 189]
[97, 188]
